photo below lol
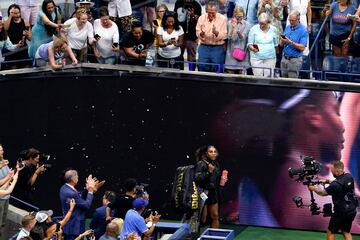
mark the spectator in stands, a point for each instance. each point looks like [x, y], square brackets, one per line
[238, 30]
[28, 176]
[189, 12]
[46, 228]
[170, 39]
[47, 22]
[304, 8]
[5, 42]
[5, 175]
[79, 32]
[222, 6]
[274, 11]
[262, 43]
[107, 38]
[76, 224]
[88, 5]
[250, 8]
[136, 44]
[211, 31]
[341, 26]
[17, 29]
[294, 43]
[123, 202]
[135, 223]
[112, 230]
[29, 10]
[148, 14]
[120, 12]
[27, 223]
[160, 12]
[98, 222]
[53, 54]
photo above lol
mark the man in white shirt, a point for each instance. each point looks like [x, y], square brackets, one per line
[28, 222]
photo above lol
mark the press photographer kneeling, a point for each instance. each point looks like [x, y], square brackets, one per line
[345, 202]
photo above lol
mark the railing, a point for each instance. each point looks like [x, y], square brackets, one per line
[30, 206]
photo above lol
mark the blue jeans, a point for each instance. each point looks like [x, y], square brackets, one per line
[108, 60]
[211, 54]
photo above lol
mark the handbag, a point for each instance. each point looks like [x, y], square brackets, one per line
[238, 54]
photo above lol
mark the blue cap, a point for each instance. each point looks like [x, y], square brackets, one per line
[139, 203]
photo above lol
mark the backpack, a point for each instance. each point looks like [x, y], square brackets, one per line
[184, 195]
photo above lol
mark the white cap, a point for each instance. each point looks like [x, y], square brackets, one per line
[41, 216]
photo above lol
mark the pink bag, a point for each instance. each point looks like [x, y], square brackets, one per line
[239, 54]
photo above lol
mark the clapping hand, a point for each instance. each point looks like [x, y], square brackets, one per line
[202, 33]
[214, 31]
[90, 183]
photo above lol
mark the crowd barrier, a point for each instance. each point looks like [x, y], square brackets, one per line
[313, 74]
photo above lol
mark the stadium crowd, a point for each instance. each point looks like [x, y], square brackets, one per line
[235, 36]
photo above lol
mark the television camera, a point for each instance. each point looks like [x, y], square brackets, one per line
[306, 174]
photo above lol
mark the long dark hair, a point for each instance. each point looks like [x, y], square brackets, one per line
[176, 21]
[50, 30]
[200, 153]
[3, 34]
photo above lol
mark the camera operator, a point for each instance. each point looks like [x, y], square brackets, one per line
[344, 200]
[27, 177]
[123, 202]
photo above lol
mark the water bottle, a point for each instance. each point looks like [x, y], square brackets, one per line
[149, 62]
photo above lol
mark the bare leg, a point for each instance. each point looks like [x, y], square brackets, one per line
[330, 235]
[214, 214]
[204, 214]
[347, 236]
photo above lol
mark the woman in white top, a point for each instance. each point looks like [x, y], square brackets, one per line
[79, 30]
[170, 40]
[107, 38]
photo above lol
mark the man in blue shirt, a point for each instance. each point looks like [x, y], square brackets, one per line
[135, 223]
[294, 40]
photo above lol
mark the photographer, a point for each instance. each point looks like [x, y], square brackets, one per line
[123, 202]
[344, 200]
[27, 177]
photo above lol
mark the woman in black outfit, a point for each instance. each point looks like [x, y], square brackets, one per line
[18, 30]
[207, 177]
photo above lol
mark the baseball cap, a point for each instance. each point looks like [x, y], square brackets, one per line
[139, 203]
[41, 216]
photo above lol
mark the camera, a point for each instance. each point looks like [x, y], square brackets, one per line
[306, 174]
[141, 189]
[44, 160]
[310, 168]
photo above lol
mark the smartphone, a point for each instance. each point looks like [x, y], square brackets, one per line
[156, 23]
[172, 39]
[97, 36]
[282, 36]
[115, 45]
[256, 46]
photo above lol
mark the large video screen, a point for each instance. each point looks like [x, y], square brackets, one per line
[144, 126]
